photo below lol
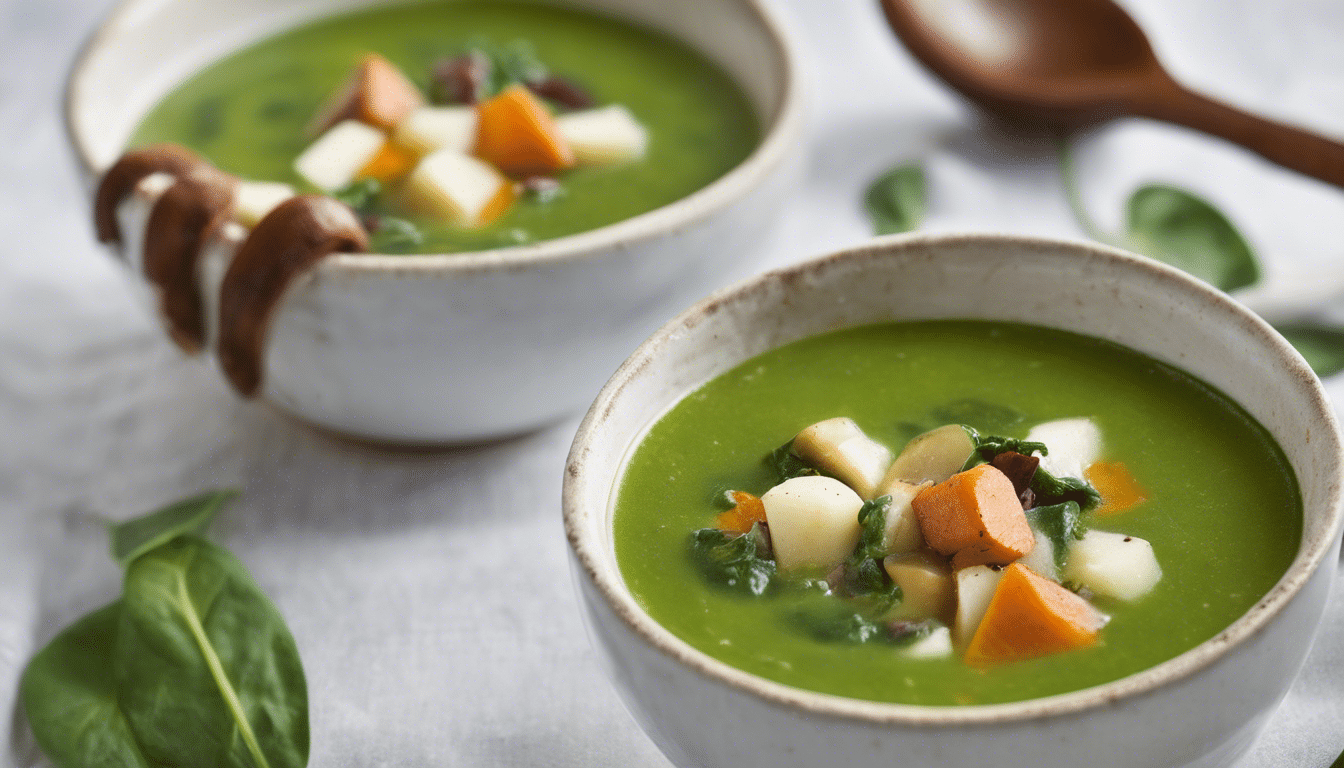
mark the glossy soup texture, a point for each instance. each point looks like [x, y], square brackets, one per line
[1223, 512]
[247, 113]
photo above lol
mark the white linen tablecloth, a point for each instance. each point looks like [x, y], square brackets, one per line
[429, 592]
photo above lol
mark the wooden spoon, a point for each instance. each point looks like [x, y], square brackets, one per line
[1071, 63]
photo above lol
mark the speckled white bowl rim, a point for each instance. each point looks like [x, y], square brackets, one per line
[1310, 555]
[778, 135]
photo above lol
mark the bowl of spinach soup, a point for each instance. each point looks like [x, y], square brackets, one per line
[435, 221]
[966, 500]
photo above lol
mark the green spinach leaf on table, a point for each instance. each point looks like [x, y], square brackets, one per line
[1322, 345]
[192, 668]
[896, 200]
[1175, 226]
[188, 516]
[196, 627]
[69, 693]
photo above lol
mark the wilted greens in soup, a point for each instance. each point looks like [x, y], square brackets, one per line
[953, 513]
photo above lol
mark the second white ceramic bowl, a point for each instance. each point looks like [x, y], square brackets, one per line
[460, 347]
[1201, 709]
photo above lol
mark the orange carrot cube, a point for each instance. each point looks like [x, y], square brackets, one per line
[377, 94]
[1118, 488]
[516, 133]
[1031, 616]
[391, 163]
[975, 518]
[747, 511]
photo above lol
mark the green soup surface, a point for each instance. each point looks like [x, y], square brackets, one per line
[247, 113]
[1223, 512]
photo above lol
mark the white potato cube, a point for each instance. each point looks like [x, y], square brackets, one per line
[933, 456]
[133, 216]
[838, 447]
[902, 533]
[216, 255]
[975, 588]
[1041, 558]
[1074, 445]
[814, 521]
[455, 187]
[337, 156]
[429, 129]
[935, 645]
[603, 136]
[254, 199]
[1113, 564]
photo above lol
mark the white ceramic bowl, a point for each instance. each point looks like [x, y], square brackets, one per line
[1202, 708]
[451, 348]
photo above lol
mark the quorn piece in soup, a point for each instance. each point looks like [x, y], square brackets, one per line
[953, 512]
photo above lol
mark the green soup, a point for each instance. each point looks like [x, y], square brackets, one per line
[247, 113]
[1223, 512]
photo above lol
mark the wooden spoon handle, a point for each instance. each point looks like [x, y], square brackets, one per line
[1293, 148]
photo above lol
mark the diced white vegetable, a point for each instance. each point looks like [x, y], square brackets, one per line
[935, 645]
[1113, 564]
[1041, 558]
[337, 156]
[837, 446]
[927, 587]
[429, 129]
[933, 456]
[454, 187]
[814, 521]
[975, 588]
[252, 200]
[1074, 445]
[603, 136]
[133, 216]
[902, 533]
[216, 255]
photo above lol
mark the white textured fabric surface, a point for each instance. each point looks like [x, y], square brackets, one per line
[429, 592]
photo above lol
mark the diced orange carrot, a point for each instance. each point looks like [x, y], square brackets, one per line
[391, 163]
[748, 510]
[1031, 616]
[377, 93]
[517, 134]
[1118, 488]
[974, 517]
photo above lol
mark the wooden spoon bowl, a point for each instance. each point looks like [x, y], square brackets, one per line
[1068, 64]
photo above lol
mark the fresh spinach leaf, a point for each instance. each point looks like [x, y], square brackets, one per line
[207, 672]
[786, 463]
[834, 623]
[361, 195]
[394, 235]
[1061, 523]
[731, 561]
[69, 694]
[1322, 345]
[862, 574]
[1175, 226]
[1052, 490]
[896, 200]
[516, 62]
[188, 516]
